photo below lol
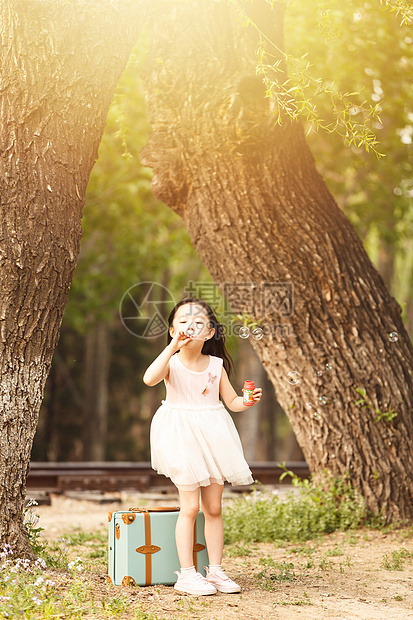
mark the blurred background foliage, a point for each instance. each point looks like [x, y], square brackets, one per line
[96, 406]
[361, 46]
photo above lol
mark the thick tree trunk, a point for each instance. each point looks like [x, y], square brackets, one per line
[60, 62]
[259, 213]
[98, 346]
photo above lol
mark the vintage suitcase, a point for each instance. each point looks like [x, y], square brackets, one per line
[142, 549]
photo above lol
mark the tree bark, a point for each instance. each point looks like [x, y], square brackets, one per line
[60, 63]
[259, 214]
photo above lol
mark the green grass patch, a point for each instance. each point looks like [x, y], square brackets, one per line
[325, 564]
[274, 572]
[238, 551]
[396, 559]
[336, 551]
[298, 602]
[315, 508]
[303, 550]
[82, 538]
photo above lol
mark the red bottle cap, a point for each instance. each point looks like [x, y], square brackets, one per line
[249, 385]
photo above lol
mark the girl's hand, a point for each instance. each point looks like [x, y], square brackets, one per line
[230, 397]
[179, 340]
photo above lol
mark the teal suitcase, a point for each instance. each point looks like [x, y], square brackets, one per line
[142, 549]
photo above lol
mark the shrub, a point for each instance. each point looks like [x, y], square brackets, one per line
[316, 507]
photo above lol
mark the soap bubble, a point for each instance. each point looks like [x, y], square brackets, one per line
[257, 333]
[317, 415]
[329, 366]
[323, 400]
[319, 373]
[244, 332]
[393, 336]
[293, 377]
[309, 405]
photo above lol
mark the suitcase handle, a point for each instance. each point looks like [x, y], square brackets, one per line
[156, 509]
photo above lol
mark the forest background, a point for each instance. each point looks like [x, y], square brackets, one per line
[96, 406]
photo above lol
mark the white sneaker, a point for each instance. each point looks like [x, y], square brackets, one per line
[194, 584]
[222, 582]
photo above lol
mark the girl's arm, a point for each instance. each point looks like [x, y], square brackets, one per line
[230, 397]
[159, 369]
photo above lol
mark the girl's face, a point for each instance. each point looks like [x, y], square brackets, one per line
[193, 320]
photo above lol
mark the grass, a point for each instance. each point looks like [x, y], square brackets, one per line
[38, 589]
[238, 551]
[325, 564]
[80, 537]
[336, 551]
[396, 559]
[34, 591]
[298, 602]
[316, 508]
[58, 585]
[274, 572]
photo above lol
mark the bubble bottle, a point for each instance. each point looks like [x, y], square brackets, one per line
[248, 391]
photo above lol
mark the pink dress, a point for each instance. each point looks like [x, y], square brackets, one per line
[194, 440]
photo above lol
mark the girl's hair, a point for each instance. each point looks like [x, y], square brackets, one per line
[216, 344]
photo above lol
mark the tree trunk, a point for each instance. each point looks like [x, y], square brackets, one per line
[60, 62]
[96, 392]
[260, 216]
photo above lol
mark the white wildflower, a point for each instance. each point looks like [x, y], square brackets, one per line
[76, 564]
[7, 550]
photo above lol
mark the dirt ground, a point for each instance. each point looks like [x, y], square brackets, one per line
[343, 576]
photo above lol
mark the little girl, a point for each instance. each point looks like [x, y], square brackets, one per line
[193, 438]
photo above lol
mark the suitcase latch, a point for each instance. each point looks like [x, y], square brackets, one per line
[148, 549]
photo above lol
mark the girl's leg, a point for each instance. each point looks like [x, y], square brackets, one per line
[184, 531]
[211, 499]
[211, 502]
